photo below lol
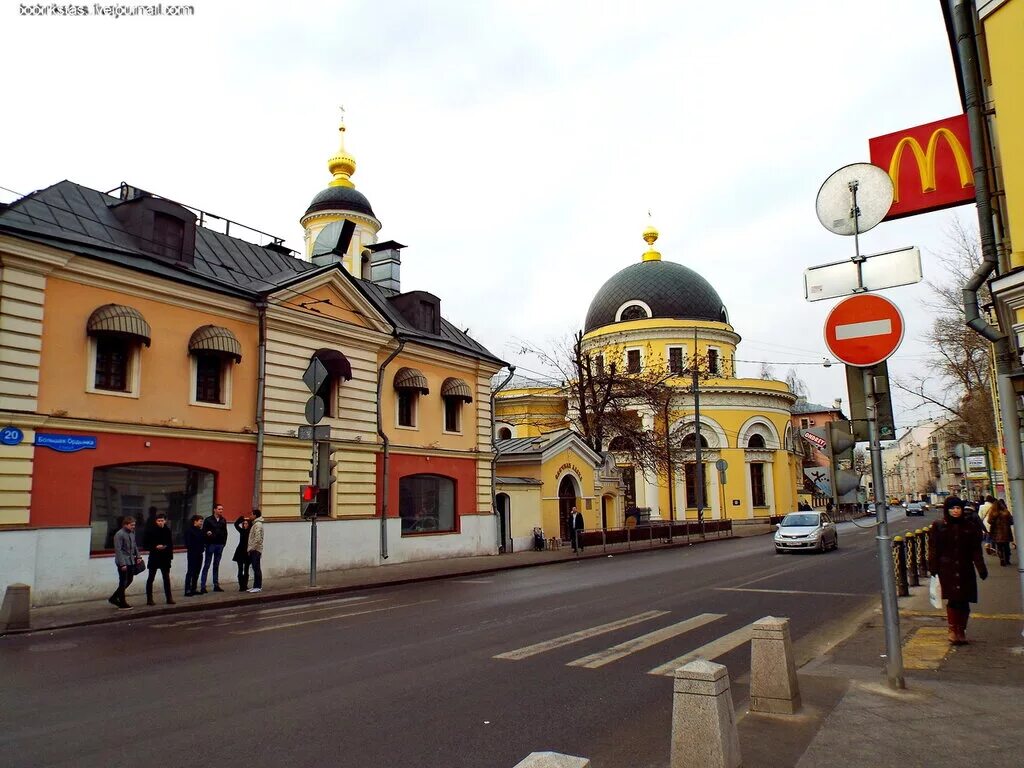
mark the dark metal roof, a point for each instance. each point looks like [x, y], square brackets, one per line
[340, 199]
[76, 218]
[456, 388]
[214, 338]
[669, 289]
[119, 320]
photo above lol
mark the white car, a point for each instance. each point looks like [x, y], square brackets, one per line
[806, 530]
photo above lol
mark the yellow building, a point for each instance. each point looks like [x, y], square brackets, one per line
[657, 315]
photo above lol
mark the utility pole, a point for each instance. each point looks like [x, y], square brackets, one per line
[698, 469]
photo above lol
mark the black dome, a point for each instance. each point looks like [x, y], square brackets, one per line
[343, 198]
[669, 289]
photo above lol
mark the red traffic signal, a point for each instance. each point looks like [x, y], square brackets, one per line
[309, 492]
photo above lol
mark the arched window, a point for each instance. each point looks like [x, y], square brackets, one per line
[620, 443]
[426, 504]
[690, 442]
[756, 441]
[504, 433]
[634, 312]
[143, 490]
[214, 350]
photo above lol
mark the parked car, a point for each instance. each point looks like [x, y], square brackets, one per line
[916, 508]
[806, 530]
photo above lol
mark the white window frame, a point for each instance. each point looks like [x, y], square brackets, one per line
[625, 358]
[718, 358]
[458, 415]
[682, 359]
[633, 303]
[226, 368]
[805, 423]
[134, 371]
[415, 411]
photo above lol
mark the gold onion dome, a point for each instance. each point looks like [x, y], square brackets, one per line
[341, 164]
[650, 236]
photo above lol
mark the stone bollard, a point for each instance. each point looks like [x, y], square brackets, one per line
[922, 552]
[552, 760]
[899, 564]
[15, 611]
[773, 684]
[703, 719]
[912, 577]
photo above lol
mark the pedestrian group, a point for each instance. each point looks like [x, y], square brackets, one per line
[205, 541]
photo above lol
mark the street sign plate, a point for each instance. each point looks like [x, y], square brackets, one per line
[314, 409]
[878, 271]
[315, 375]
[318, 432]
[864, 330]
[721, 465]
[814, 439]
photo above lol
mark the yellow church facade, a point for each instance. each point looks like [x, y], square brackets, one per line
[659, 319]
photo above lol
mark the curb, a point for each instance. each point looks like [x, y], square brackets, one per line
[306, 592]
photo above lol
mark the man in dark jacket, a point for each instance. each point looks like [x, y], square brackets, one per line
[126, 553]
[161, 550]
[195, 546]
[215, 531]
[954, 553]
[576, 530]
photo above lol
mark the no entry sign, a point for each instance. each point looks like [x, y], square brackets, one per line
[864, 330]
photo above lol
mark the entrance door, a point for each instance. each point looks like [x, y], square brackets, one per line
[502, 502]
[566, 501]
[604, 511]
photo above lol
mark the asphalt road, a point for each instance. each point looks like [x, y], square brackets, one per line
[472, 672]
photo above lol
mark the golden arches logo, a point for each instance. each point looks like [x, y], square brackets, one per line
[926, 161]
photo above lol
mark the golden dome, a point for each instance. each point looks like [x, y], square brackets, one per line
[341, 164]
[650, 235]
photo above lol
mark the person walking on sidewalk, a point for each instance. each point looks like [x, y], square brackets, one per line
[256, 550]
[576, 530]
[241, 555]
[215, 529]
[954, 553]
[1000, 525]
[126, 555]
[195, 547]
[161, 551]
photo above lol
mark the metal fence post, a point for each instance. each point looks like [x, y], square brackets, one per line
[899, 564]
[604, 539]
[629, 536]
[912, 575]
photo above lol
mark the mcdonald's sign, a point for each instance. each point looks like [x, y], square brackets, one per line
[930, 166]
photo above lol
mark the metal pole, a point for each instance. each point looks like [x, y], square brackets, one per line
[698, 467]
[890, 608]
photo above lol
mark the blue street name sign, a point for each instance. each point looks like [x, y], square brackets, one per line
[11, 435]
[65, 443]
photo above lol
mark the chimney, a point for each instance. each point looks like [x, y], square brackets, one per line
[838, 403]
[386, 265]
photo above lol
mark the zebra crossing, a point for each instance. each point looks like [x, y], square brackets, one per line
[710, 650]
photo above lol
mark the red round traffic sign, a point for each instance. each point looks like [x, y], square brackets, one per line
[864, 330]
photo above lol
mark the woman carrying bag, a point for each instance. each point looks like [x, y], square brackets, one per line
[954, 553]
[242, 552]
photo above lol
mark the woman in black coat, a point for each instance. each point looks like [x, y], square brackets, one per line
[954, 552]
[159, 542]
[242, 552]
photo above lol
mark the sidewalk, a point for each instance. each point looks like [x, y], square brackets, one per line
[961, 705]
[277, 589]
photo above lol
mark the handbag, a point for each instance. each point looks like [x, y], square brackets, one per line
[139, 566]
[935, 592]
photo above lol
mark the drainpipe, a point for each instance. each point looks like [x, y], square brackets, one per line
[261, 379]
[387, 452]
[495, 452]
[963, 17]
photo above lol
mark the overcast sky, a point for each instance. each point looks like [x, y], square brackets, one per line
[514, 147]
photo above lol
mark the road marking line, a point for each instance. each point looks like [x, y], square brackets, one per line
[795, 592]
[863, 330]
[575, 637]
[301, 606]
[992, 616]
[474, 581]
[926, 648]
[773, 574]
[182, 623]
[712, 650]
[616, 652]
[329, 618]
[301, 611]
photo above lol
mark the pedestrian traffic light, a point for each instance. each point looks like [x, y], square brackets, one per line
[307, 500]
[324, 466]
[845, 480]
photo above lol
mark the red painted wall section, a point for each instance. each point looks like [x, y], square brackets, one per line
[462, 471]
[62, 482]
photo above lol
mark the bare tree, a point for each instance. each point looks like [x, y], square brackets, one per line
[957, 378]
[796, 385]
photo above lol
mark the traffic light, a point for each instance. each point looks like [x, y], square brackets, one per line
[845, 480]
[307, 500]
[324, 466]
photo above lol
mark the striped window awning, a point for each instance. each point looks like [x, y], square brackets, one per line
[336, 363]
[119, 320]
[411, 379]
[217, 340]
[456, 389]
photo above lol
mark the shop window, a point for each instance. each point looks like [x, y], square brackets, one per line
[452, 415]
[757, 494]
[408, 400]
[426, 504]
[633, 361]
[113, 363]
[142, 490]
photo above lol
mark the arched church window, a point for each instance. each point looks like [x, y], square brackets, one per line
[504, 433]
[620, 443]
[756, 441]
[690, 442]
[634, 312]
